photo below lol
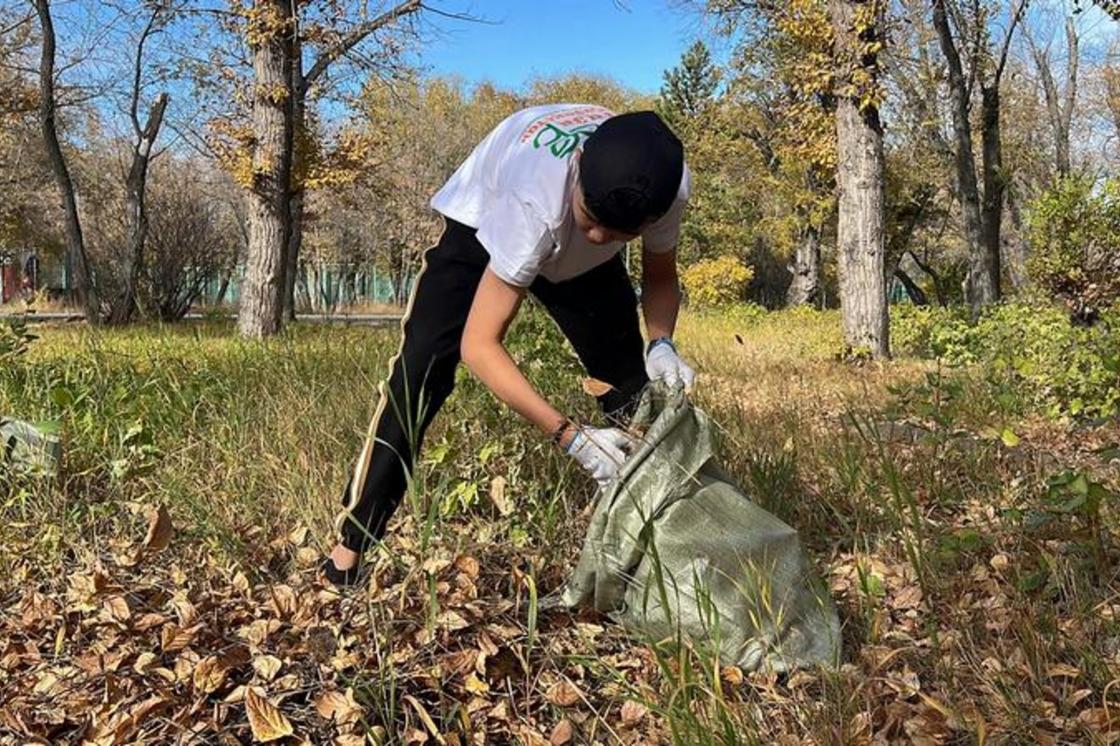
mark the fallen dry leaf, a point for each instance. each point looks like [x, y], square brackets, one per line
[117, 608]
[339, 707]
[128, 724]
[595, 387]
[149, 620]
[452, 621]
[633, 713]
[498, 496]
[563, 694]
[143, 661]
[159, 529]
[1100, 719]
[209, 674]
[267, 666]
[266, 722]
[173, 638]
[733, 675]
[562, 734]
[283, 601]
[298, 535]
[475, 685]
[909, 597]
[468, 566]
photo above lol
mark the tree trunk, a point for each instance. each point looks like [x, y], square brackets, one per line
[397, 273]
[269, 214]
[917, 295]
[805, 289]
[123, 306]
[301, 82]
[299, 166]
[1065, 123]
[76, 256]
[1017, 250]
[1059, 108]
[223, 288]
[977, 291]
[995, 185]
[938, 288]
[860, 179]
[294, 245]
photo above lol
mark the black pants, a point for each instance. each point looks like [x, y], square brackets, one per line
[597, 312]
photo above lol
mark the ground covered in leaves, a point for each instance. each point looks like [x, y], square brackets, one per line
[163, 589]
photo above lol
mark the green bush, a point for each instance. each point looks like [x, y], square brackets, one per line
[1062, 369]
[928, 331]
[1075, 239]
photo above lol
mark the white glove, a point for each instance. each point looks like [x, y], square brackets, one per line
[600, 451]
[665, 365]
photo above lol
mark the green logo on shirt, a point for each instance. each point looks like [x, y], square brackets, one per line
[562, 143]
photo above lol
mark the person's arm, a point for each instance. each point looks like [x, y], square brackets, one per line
[495, 304]
[661, 293]
[661, 301]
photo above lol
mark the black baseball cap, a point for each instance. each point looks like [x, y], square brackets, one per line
[630, 170]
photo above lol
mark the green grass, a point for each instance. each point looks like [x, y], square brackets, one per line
[955, 565]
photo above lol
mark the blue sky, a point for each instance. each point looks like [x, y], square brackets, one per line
[633, 43]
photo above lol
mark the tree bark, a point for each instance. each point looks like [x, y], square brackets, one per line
[299, 167]
[986, 286]
[397, 273]
[301, 83]
[1059, 106]
[1016, 251]
[805, 289]
[75, 244]
[269, 213]
[861, 233]
[223, 288]
[938, 288]
[122, 308]
[978, 290]
[917, 295]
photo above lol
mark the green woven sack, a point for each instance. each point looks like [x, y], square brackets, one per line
[676, 551]
[27, 449]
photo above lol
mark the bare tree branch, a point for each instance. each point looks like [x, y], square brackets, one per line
[356, 35]
[134, 98]
[16, 24]
[1017, 16]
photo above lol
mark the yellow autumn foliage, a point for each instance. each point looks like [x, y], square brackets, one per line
[716, 282]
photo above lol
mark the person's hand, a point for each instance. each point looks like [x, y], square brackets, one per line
[665, 365]
[600, 451]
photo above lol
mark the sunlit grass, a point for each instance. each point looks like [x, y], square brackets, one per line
[931, 541]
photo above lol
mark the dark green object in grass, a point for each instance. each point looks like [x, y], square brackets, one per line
[676, 551]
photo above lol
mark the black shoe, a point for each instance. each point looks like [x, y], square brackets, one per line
[356, 575]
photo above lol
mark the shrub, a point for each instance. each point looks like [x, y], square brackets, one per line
[1075, 235]
[716, 282]
[1062, 369]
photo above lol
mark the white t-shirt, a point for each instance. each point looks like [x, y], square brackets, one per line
[516, 190]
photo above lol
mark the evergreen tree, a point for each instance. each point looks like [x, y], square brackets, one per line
[690, 87]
